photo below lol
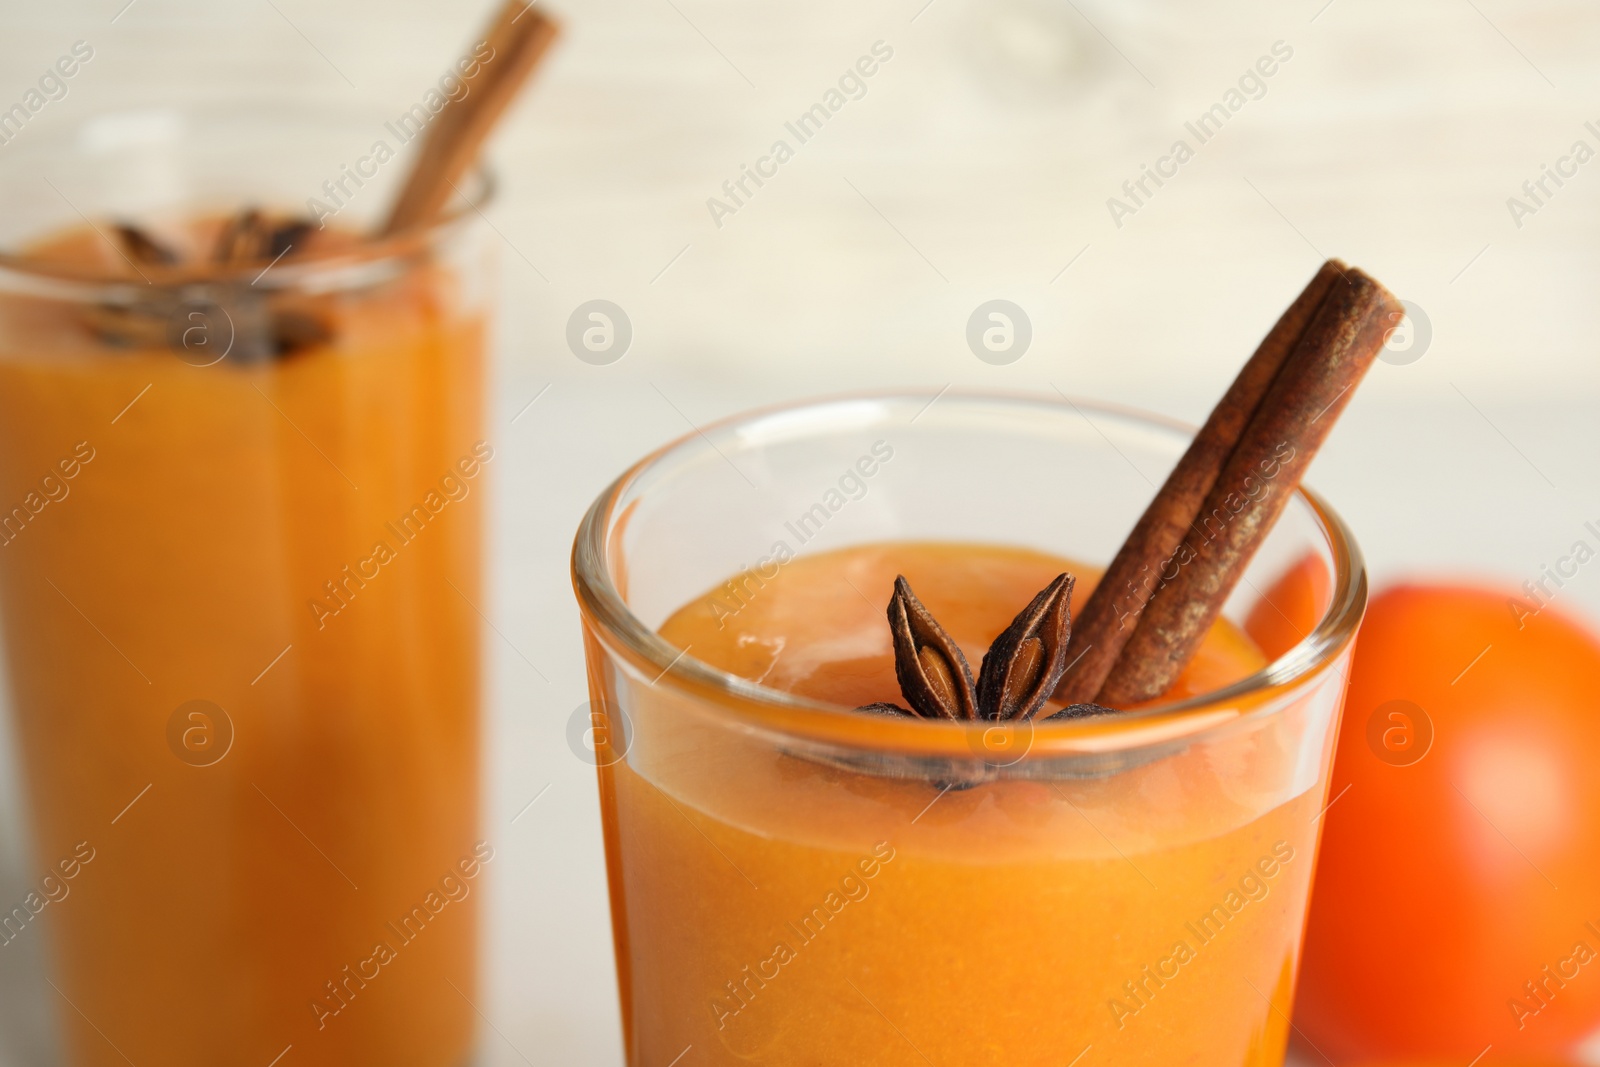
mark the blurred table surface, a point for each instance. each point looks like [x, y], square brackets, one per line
[977, 165]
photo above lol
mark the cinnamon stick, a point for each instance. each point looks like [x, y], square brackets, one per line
[1311, 388]
[519, 37]
[1107, 620]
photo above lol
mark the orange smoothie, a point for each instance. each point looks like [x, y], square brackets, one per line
[773, 909]
[295, 542]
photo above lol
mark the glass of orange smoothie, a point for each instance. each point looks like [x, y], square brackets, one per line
[240, 514]
[797, 882]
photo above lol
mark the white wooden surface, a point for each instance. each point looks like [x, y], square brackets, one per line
[977, 165]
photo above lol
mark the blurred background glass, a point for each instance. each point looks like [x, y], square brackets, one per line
[238, 567]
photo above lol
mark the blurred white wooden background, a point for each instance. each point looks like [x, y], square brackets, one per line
[977, 166]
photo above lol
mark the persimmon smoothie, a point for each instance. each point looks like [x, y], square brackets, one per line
[777, 909]
[240, 642]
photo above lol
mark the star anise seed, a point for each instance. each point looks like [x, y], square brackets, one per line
[933, 673]
[1025, 662]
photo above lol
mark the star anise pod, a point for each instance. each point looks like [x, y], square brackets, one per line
[1024, 663]
[1018, 674]
[933, 673]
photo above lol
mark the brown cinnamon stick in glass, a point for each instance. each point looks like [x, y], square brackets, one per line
[519, 38]
[1306, 397]
[1107, 619]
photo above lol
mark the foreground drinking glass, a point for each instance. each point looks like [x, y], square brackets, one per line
[793, 882]
[236, 585]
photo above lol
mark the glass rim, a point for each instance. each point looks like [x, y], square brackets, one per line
[332, 270]
[759, 708]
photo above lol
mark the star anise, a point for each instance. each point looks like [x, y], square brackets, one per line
[251, 323]
[933, 673]
[1018, 674]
